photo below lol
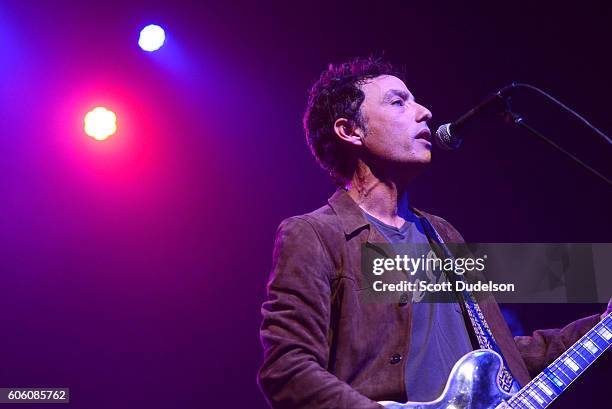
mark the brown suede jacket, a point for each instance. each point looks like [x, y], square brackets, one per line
[323, 348]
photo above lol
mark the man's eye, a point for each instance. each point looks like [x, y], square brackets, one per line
[397, 102]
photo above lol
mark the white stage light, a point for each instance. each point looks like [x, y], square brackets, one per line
[151, 38]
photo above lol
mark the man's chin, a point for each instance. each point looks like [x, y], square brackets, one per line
[426, 159]
[421, 160]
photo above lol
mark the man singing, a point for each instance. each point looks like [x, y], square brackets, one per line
[323, 347]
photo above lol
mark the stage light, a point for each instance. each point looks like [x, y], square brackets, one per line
[151, 38]
[100, 123]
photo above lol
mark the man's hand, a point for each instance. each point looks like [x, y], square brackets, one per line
[608, 311]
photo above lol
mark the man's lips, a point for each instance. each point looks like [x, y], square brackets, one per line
[424, 134]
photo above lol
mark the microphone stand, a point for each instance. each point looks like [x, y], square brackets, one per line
[518, 120]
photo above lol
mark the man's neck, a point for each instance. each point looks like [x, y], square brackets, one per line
[383, 199]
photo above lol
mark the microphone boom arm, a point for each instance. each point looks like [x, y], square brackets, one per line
[499, 102]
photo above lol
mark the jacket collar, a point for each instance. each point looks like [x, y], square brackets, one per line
[348, 212]
[352, 218]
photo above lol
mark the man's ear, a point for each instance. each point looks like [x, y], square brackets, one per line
[347, 131]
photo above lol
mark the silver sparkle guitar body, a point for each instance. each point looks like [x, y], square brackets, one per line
[472, 384]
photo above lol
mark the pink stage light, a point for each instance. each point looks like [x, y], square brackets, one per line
[100, 123]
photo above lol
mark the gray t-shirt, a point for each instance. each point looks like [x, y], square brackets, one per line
[439, 336]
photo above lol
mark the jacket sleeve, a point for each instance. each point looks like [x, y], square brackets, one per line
[545, 345]
[295, 326]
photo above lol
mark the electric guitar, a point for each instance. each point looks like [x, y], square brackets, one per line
[472, 383]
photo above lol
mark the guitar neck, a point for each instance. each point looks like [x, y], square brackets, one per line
[544, 388]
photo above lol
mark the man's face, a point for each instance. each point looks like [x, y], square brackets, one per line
[397, 133]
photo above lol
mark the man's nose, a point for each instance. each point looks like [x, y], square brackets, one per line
[423, 114]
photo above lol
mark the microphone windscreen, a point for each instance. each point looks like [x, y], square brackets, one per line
[445, 140]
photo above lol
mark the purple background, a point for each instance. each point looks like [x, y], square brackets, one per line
[132, 270]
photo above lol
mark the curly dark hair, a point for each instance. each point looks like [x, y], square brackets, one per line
[337, 94]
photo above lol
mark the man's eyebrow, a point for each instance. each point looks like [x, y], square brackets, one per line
[396, 92]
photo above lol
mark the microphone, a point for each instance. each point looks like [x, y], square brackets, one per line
[450, 136]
